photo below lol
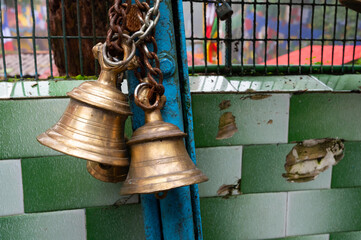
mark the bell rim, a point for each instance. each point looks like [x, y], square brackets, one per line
[128, 189]
[91, 168]
[59, 146]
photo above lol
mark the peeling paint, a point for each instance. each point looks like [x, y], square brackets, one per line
[224, 104]
[227, 126]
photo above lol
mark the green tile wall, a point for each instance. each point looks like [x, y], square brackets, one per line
[262, 168]
[11, 194]
[62, 182]
[313, 237]
[267, 124]
[341, 82]
[69, 225]
[320, 115]
[324, 211]
[346, 236]
[253, 216]
[123, 222]
[347, 172]
[222, 165]
[22, 120]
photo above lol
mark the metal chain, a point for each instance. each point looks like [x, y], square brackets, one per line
[136, 23]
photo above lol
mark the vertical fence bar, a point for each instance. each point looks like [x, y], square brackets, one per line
[289, 37]
[344, 42]
[266, 39]
[2, 41]
[355, 43]
[18, 39]
[79, 38]
[242, 38]
[49, 41]
[254, 32]
[33, 38]
[300, 40]
[334, 37]
[64, 38]
[94, 35]
[228, 61]
[205, 36]
[278, 34]
[218, 68]
[192, 34]
[323, 35]
[312, 21]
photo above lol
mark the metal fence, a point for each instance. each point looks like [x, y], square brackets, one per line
[42, 41]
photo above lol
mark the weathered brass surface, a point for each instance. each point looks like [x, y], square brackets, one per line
[92, 126]
[107, 173]
[159, 158]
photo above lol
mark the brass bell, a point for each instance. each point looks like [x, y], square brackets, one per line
[159, 158]
[92, 126]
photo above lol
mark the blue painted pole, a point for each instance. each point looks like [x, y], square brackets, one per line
[172, 217]
[187, 108]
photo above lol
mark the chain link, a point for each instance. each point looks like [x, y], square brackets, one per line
[136, 23]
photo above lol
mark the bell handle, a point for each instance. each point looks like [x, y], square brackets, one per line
[148, 106]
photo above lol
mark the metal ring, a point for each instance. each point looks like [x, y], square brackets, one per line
[123, 62]
[141, 105]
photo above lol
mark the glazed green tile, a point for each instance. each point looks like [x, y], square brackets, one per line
[322, 115]
[222, 165]
[341, 82]
[22, 120]
[310, 237]
[30, 89]
[346, 236]
[258, 121]
[249, 216]
[347, 172]
[324, 211]
[69, 225]
[262, 168]
[61, 87]
[11, 194]
[123, 222]
[63, 182]
[5, 90]
[256, 83]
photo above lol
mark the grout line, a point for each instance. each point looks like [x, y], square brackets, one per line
[286, 215]
[22, 186]
[288, 118]
[85, 229]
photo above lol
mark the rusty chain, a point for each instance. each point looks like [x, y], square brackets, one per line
[136, 23]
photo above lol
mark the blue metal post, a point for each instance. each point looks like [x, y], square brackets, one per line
[172, 217]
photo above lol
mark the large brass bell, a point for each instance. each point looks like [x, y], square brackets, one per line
[92, 126]
[159, 158]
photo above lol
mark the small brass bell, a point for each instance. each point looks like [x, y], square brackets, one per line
[92, 126]
[159, 158]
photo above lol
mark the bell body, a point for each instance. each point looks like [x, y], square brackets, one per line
[159, 158]
[92, 126]
[89, 132]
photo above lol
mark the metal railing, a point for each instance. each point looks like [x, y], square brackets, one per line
[273, 37]
[262, 37]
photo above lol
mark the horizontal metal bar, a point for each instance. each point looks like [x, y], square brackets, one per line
[281, 69]
[268, 3]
